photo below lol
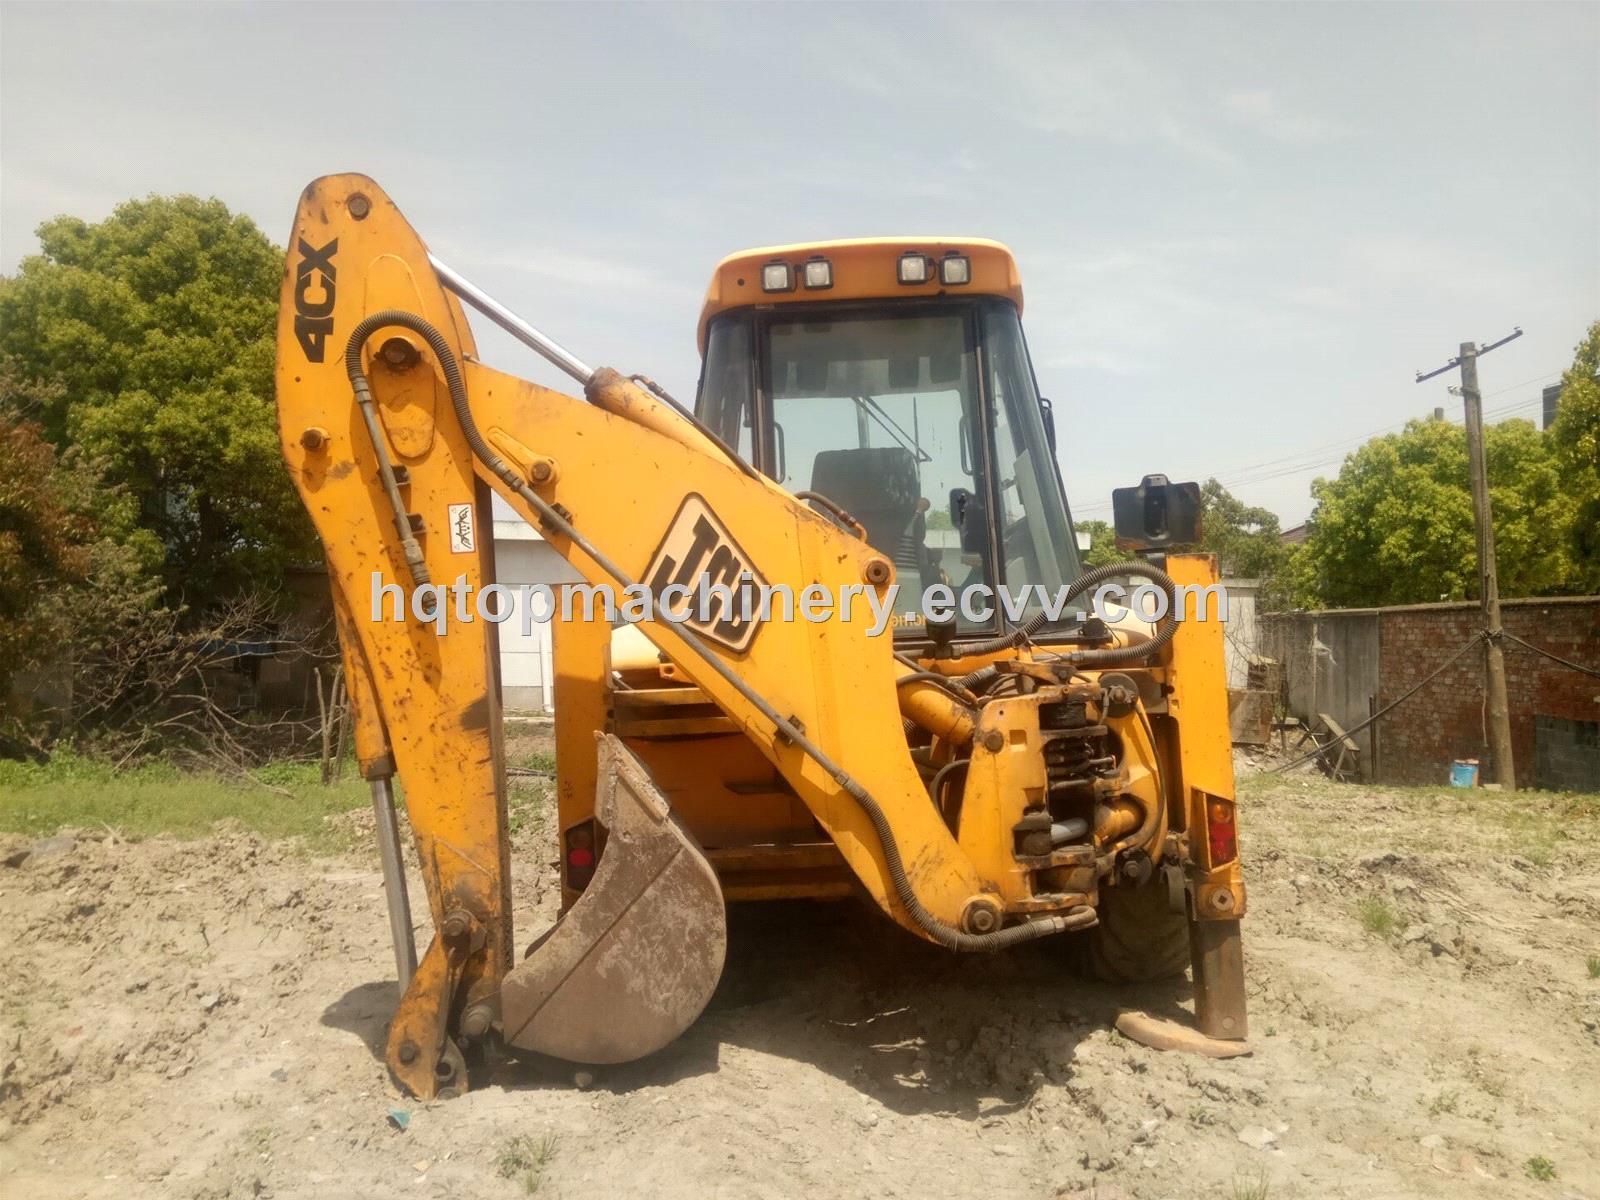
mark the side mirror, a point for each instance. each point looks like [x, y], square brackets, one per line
[1156, 514]
[1048, 412]
[968, 516]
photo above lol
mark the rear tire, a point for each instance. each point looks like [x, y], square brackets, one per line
[1139, 938]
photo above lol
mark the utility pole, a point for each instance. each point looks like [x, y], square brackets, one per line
[1494, 666]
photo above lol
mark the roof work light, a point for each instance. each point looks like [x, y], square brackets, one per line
[777, 277]
[915, 268]
[818, 274]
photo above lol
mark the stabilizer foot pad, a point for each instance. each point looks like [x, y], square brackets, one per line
[1161, 1034]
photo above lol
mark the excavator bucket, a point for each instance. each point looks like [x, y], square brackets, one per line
[633, 962]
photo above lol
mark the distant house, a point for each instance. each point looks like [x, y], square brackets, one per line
[1293, 537]
[522, 556]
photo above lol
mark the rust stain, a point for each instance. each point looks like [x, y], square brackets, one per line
[476, 715]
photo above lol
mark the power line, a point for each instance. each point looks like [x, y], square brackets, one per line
[1303, 461]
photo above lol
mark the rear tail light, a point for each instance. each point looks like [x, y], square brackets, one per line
[578, 856]
[1222, 834]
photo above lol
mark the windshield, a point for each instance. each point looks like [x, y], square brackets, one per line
[883, 413]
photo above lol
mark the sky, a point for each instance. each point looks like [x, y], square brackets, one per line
[1242, 229]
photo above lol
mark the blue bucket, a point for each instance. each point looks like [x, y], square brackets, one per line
[1464, 773]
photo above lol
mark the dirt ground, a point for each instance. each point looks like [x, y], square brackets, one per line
[203, 1019]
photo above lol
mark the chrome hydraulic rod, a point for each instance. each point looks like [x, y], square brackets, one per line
[512, 324]
[394, 883]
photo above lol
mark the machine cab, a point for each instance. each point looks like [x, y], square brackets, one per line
[889, 377]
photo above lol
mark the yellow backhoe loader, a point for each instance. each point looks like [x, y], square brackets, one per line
[867, 440]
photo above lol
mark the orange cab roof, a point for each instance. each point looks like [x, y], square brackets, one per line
[863, 269]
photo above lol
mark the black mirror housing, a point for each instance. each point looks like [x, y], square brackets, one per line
[1156, 514]
[968, 515]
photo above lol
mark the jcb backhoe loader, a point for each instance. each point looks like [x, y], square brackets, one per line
[867, 418]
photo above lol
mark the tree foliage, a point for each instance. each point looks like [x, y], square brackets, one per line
[157, 327]
[44, 546]
[1575, 439]
[1102, 544]
[1396, 526]
[1246, 539]
[72, 557]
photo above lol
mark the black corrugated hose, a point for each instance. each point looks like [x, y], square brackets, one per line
[1108, 656]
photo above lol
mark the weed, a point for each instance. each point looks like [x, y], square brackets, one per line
[1378, 916]
[1594, 966]
[526, 804]
[1541, 1168]
[534, 760]
[1251, 1187]
[525, 1158]
[1445, 1102]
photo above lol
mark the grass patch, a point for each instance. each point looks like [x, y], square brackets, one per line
[1541, 1168]
[525, 1158]
[69, 792]
[526, 802]
[1543, 827]
[1251, 1187]
[533, 760]
[1377, 916]
[1445, 1102]
[1593, 963]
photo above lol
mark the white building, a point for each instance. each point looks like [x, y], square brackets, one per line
[521, 556]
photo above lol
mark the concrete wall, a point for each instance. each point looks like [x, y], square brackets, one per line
[1348, 662]
[1331, 665]
[1241, 635]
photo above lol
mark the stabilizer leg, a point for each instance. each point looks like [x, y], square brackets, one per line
[1217, 950]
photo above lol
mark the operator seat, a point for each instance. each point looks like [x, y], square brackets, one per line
[878, 486]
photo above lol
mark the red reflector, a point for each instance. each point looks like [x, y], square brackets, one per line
[1224, 845]
[579, 858]
[1222, 836]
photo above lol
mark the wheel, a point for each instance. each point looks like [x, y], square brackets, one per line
[1139, 937]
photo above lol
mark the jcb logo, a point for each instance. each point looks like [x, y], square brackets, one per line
[700, 574]
[313, 298]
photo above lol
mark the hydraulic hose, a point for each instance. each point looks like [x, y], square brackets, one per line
[410, 549]
[979, 680]
[1102, 657]
[939, 931]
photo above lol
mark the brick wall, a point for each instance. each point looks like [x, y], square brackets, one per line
[1446, 719]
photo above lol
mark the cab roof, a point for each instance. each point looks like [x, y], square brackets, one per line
[863, 269]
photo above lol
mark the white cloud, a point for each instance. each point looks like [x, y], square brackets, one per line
[593, 276]
[1260, 111]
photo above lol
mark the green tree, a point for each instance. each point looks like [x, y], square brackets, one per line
[1396, 526]
[1102, 543]
[43, 547]
[70, 549]
[158, 325]
[1575, 440]
[1246, 539]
